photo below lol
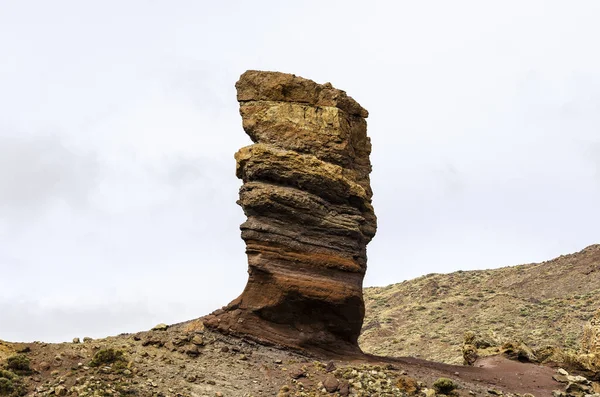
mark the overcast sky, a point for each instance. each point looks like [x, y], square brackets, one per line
[119, 122]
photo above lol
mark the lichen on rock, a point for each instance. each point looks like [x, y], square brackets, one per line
[307, 195]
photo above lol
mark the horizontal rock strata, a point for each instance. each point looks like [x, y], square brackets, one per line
[307, 196]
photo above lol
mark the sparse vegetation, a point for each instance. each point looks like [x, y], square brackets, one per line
[6, 387]
[19, 364]
[10, 384]
[444, 385]
[540, 304]
[107, 357]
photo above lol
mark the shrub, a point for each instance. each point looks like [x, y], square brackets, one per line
[11, 387]
[444, 385]
[6, 387]
[106, 357]
[19, 364]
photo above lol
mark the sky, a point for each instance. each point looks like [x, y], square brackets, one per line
[119, 123]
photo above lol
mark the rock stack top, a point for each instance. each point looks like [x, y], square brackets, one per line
[255, 85]
[307, 196]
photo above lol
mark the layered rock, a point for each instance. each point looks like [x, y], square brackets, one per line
[307, 196]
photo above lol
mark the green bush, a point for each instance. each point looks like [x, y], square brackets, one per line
[19, 364]
[6, 387]
[106, 357]
[12, 388]
[10, 384]
[444, 385]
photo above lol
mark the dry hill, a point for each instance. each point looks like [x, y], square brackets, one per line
[542, 304]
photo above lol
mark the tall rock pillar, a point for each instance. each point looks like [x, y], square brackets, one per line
[307, 196]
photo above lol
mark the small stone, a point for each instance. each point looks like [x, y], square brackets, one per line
[224, 349]
[578, 379]
[76, 340]
[197, 340]
[192, 351]
[560, 378]
[407, 384]
[218, 394]
[573, 388]
[278, 362]
[87, 339]
[344, 389]
[331, 384]
[297, 373]
[191, 378]
[429, 393]
[330, 367]
[60, 391]
[562, 372]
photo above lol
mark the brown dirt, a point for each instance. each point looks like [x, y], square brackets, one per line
[166, 363]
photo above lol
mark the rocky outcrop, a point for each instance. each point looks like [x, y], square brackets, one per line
[307, 196]
[575, 385]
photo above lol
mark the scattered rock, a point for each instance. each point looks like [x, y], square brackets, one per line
[344, 389]
[330, 367]
[197, 340]
[407, 385]
[192, 351]
[191, 378]
[297, 373]
[331, 384]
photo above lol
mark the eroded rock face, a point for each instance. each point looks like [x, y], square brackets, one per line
[307, 197]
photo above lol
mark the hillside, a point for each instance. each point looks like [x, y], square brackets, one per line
[542, 304]
[187, 360]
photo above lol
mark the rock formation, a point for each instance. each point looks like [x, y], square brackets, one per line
[307, 196]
